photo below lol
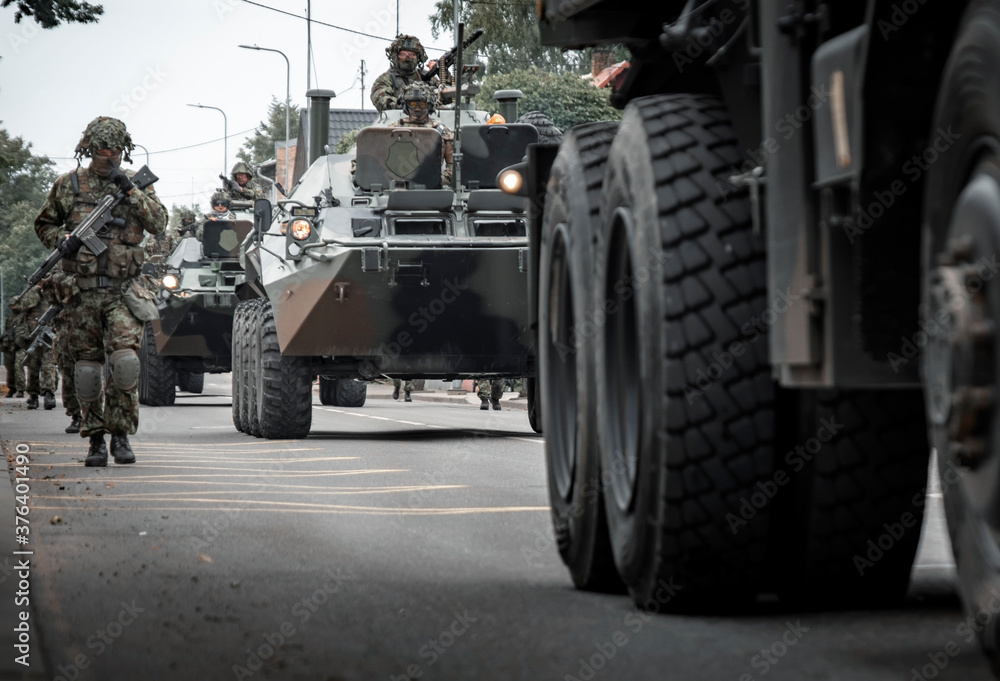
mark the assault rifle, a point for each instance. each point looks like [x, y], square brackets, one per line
[230, 185]
[93, 227]
[43, 333]
[448, 58]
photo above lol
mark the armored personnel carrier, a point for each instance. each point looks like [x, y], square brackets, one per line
[197, 298]
[373, 266]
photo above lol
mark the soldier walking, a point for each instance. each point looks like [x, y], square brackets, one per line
[104, 314]
[15, 372]
[42, 378]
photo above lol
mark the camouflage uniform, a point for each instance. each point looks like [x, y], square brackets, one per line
[413, 120]
[490, 391]
[248, 192]
[15, 372]
[60, 290]
[388, 87]
[407, 388]
[42, 378]
[97, 319]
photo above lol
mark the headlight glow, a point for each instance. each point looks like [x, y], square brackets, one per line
[170, 281]
[301, 229]
[511, 181]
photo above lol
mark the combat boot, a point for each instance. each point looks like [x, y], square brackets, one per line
[395, 392]
[98, 454]
[121, 449]
[50, 400]
[485, 406]
[496, 405]
[32, 401]
[407, 398]
[20, 394]
[74, 424]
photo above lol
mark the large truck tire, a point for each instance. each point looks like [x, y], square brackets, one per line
[566, 356]
[191, 381]
[961, 290]
[685, 398]
[253, 374]
[848, 521]
[241, 359]
[328, 391]
[285, 384]
[534, 404]
[158, 376]
[351, 392]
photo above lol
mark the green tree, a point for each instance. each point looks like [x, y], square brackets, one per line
[260, 147]
[566, 98]
[24, 183]
[510, 40]
[51, 13]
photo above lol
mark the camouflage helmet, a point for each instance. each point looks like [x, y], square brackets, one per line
[104, 132]
[220, 197]
[419, 92]
[186, 213]
[405, 42]
[241, 167]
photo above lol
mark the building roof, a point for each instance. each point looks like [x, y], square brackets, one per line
[611, 75]
[342, 121]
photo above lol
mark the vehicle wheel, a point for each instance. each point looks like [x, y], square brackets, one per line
[328, 391]
[285, 400]
[253, 373]
[351, 392]
[548, 133]
[239, 359]
[158, 376]
[534, 404]
[566, 356]
[961, 307]
[685, 400]
[856, 473]
[191, 381]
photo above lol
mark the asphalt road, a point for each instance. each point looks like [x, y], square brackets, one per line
[398, 541]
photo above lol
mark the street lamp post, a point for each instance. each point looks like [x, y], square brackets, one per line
[225, 134]
[145, 150]
[288, 99]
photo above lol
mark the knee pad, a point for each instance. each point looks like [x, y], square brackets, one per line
[125, 369]
[88, 377]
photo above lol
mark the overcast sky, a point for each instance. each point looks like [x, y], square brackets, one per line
[144, 61]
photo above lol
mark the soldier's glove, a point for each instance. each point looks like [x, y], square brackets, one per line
[70, 245]
[118, 176]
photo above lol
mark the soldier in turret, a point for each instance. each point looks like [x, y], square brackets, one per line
[243, 186]
[405, 54]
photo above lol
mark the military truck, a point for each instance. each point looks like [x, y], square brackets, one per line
[197, 299]
[372, 266]
[763, 297]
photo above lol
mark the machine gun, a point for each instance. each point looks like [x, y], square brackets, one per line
[230, 185]
[93, 227]
[43, 334]
[448, 58]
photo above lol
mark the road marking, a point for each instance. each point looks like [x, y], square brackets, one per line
[538, 441]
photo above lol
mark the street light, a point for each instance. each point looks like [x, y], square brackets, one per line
[288, 98]
[144, 149]
[225, 134]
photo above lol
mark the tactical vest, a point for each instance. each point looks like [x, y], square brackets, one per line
[123, 258]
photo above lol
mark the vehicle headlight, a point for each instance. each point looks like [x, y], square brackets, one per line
[300, 229]
[511, 181]
[170, 281]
